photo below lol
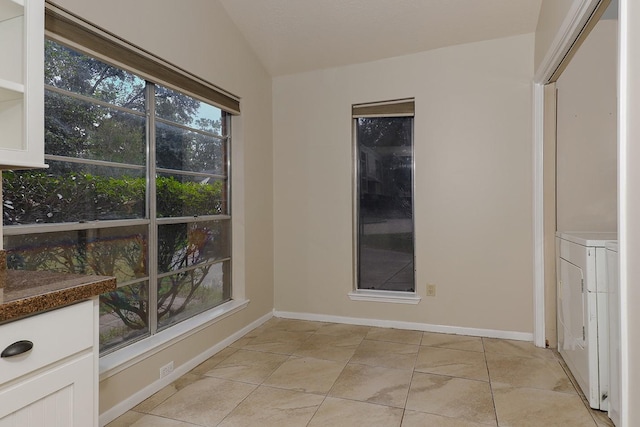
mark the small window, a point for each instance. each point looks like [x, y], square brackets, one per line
[384, 196]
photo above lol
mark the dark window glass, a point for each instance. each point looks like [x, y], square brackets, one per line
[192, 291]
[185, 245]
[187, 150]
[124, 316]
[80, 129]
[385, 204]
[71, 192]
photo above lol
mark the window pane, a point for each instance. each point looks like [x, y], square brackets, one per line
[184, 245]
[72, 192]
[124, 316]
[184, 195]
[118, 251]
[185, 110]
[78, 73]
[385, 212]
[191, 292]
[74, 128]
[180, 149]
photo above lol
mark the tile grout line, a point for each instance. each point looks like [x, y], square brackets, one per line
[252, 392]
[413, 373]
[334, 383]
[261, 384]
[315, 333]
[493, 397]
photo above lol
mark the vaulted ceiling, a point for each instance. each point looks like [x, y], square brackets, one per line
[292, 36]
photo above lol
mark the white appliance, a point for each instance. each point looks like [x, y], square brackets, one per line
[583, 320]
[615, 388]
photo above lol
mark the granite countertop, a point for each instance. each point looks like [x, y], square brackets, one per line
[31, 292]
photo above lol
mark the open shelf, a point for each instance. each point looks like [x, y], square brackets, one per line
[10, 90]
[21, 84]
[12, 124]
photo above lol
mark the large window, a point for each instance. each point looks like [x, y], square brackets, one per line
[384, 196]
[137, 188]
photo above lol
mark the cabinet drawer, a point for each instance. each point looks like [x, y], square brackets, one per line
[55, 335]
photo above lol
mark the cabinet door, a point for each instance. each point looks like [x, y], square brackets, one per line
[58, 397]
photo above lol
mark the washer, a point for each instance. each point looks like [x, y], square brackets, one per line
[583, 320]
[615, 389]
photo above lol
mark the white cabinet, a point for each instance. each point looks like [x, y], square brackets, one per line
[21, 84]
[55, 383]
[54, 398]
[583, 304]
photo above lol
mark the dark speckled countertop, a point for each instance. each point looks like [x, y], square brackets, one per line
[32, 292]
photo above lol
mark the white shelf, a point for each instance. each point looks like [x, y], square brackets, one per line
[10, 90]
[10, 9]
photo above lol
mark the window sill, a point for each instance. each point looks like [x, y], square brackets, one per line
[385, 296]
[126, 357]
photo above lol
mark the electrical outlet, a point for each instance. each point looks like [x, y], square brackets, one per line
[166, 369]
[431, 290]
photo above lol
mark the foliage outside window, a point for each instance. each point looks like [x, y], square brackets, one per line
[137, 188]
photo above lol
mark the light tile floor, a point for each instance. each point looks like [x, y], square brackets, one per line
[299, 373]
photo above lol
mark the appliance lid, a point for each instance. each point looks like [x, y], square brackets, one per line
[588, 238]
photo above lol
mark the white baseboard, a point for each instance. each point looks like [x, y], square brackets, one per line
[133, 400]
[425, 327]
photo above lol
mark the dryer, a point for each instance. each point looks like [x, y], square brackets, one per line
[583, 322]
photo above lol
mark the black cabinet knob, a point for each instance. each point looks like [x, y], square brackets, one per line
[17, 348]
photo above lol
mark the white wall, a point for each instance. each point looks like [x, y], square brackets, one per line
[205, 43]
[473, 184]
[587, 135]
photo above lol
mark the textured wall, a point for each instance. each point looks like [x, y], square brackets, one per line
[473, 196]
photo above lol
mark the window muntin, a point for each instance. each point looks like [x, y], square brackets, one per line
[96, 196]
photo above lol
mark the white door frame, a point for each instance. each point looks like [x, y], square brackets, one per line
[628, 207]
[571, 27]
